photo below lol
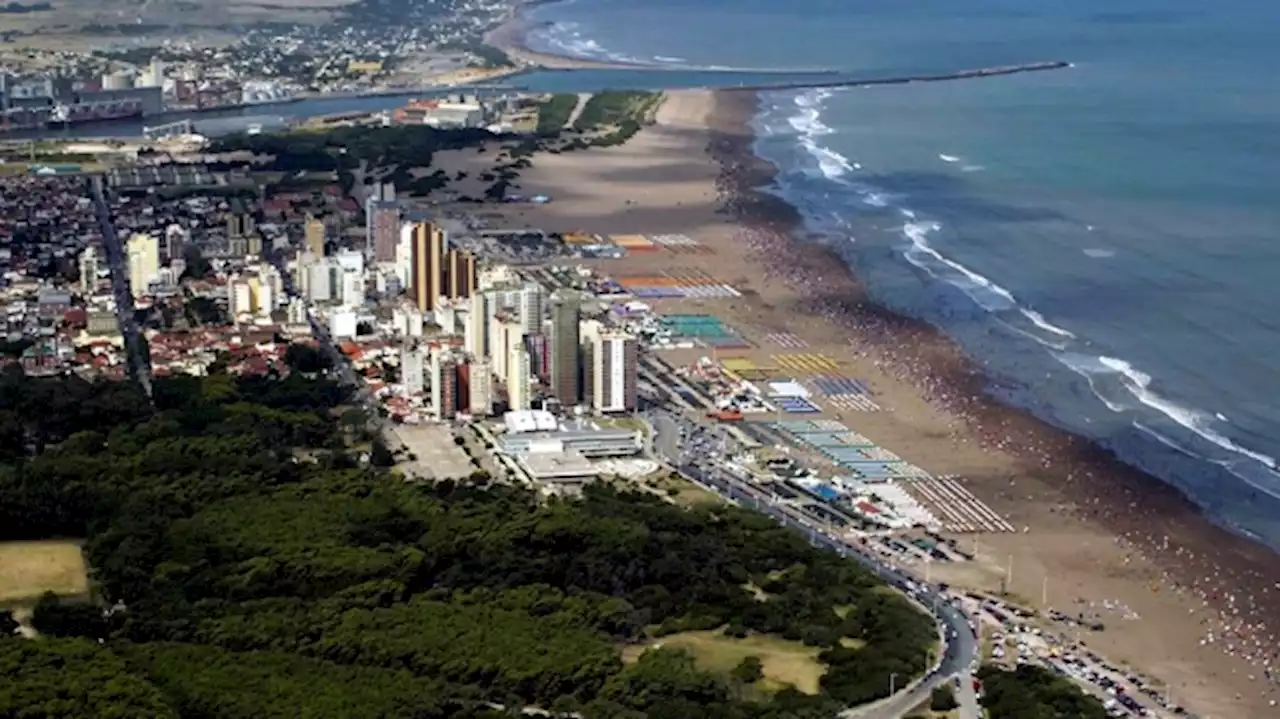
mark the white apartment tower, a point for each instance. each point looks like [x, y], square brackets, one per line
[89, 264]
[353, 294]
[144, 263]
[517, 376]
[529, 305]
[476, 334]
[412, 369]
[239, 298]
[480, 387]
[320, 287]
[510, 338]
[614, 359]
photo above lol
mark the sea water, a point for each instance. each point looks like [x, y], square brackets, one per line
[1105, 239]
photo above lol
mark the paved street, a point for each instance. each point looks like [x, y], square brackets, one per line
[118, 262]
[698, 453]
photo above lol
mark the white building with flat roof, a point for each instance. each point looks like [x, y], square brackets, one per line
[588, 443]
[558, 467]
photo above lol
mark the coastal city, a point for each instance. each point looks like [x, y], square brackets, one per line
[432, 44]
[505, 403]
[532, 357]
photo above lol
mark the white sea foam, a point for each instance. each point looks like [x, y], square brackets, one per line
[1039, 321]
[1137, 384]
[1051, 344]
[1120, 386]
[991, 296]
[981, 289]
[664, 58]
[566, 38]
[807, 122]
[1089, 367]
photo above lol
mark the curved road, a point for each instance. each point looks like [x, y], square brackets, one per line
[960, 647]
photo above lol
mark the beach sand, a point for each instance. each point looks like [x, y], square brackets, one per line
[509, 37]
[1092, 535]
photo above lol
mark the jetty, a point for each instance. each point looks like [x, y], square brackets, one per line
[801, 84]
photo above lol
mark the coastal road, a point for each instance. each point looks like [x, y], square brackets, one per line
[699, 464]
[968, 698]
[139, 358]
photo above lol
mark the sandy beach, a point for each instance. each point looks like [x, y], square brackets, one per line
[1183, 601]
[509, 37]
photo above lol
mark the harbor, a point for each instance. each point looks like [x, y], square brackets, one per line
[277, 115]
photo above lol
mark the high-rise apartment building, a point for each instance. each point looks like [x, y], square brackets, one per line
[509, 336]
[323, 280]
[460, 274]
[90, 263]
[529, 305]
[480, 387]
[426, 272]
[174, 243]
[404, 255]
[444, 385]
[144, 263]
[240, 224]
[614, 359]
[265, 297]
[476, 336]
[539, 350]
[239, 298]
[566, 366]
[315, 236]
[517, 379]
[412, 369]
[382, 223]
[353, 290]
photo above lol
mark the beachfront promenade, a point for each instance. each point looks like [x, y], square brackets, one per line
[958, 645]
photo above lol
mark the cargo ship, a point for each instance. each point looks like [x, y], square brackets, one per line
[70, 115]
[97, 111]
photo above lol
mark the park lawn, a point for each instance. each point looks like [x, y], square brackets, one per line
[687, 494]
[29, 569]
[785, 662]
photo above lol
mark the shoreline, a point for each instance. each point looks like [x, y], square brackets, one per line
[1182, 600]
[1190, 548]
[511, 34]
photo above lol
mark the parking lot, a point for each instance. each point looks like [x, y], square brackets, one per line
[437, 456]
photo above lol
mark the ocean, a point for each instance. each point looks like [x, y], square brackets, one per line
[1104, 239]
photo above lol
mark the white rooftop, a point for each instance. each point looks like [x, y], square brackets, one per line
[557, 466]
[529, 420]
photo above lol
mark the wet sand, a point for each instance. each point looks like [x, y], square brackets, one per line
[1183, 601]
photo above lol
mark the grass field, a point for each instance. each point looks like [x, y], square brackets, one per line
[785, 663]
[686, 493]
[29, 569]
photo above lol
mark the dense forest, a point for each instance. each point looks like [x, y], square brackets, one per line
[342, 149]
[254, 567]
[1031, 692]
